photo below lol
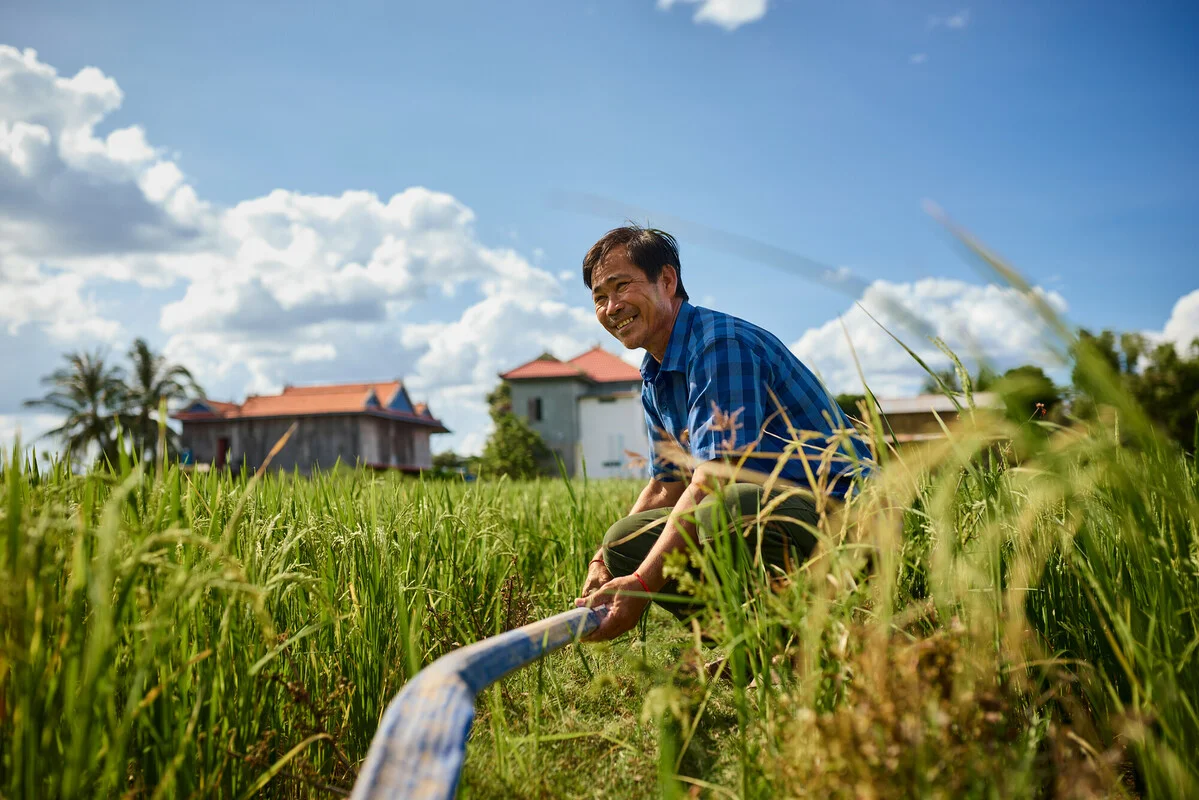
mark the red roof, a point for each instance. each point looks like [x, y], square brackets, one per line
[343, 398]
[603, 367]
[597, 364]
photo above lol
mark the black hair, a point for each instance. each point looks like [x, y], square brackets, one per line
[649, 249]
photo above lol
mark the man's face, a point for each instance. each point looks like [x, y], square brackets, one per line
[635, 310]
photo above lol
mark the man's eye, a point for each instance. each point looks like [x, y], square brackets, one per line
[620, 287]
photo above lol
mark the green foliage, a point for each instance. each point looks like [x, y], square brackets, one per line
[982, 381]
[102, 402]
[154, 381]
[92, 395]
[184, 633]
[1028, 394]
[970, 626]
[1164, 382]
[513, 449]
[849, 404]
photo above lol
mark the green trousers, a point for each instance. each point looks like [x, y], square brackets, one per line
[785, 542]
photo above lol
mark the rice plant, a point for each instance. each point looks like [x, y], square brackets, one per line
[1007, 612]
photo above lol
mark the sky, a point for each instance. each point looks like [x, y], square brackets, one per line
[288, 193]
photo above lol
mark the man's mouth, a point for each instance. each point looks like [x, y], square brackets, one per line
[624, 323]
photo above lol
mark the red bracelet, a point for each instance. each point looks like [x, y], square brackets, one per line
[643, 583]
[597, 561]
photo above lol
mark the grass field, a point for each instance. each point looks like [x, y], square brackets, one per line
[1027, 627]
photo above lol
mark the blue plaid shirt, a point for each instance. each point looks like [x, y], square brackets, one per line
[717, 366]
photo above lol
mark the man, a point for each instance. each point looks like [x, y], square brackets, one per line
[718, 388]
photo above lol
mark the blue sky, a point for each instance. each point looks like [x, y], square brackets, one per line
[1062, 134]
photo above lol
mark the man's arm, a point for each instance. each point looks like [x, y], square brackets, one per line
[656, 494]
[623, 609]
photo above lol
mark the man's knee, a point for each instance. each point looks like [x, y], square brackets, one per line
[629, 540]
[728, 508]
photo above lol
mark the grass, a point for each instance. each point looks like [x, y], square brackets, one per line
[1010, 612]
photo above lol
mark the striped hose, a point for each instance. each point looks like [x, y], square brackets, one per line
[417, 751]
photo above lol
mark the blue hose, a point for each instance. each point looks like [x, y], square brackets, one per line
[417, 752]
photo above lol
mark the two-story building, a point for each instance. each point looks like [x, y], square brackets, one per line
[587, 410]
[369, 424]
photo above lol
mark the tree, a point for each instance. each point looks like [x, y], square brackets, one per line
[984, 380]
[1028, 393]
[153, 380]
[948, 376]
[1162, 379]
[1168, 389]
[513, 449]
[447, 461]
[849, 404]
[91, 394]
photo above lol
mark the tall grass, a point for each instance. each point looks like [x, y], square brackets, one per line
[1008, 612]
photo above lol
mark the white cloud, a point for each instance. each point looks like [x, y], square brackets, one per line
[74, 206]
[989, 321]
[918, 58]
[728, 14]
[55, 301]
[283, 288]
[956, 21]
[66, 194]
[30, 427]
[1182, 327]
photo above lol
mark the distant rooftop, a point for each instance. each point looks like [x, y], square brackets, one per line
[387, 399]
[597, 365]
[926, 403]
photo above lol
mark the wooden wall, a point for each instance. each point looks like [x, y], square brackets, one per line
[319, 441]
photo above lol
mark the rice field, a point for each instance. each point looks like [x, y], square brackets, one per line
[1008, 613]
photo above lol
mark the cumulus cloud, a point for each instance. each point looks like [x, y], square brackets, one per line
[75, 206]
[1182, 328]
[284, 288]
[56, 301]
[989, 321]
[66, 193]
[728, 14]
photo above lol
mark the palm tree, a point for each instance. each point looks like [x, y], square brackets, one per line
[91, 394]
[153, 380]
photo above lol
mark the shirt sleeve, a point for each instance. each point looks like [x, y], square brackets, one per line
[726, 399]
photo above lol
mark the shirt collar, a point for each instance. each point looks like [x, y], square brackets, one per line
[675, 357]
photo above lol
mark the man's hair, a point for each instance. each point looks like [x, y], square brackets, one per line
[649, 249]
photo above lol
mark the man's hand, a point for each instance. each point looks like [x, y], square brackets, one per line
[597, 576]
[624, 610]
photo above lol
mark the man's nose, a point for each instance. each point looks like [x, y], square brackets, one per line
[614, 306]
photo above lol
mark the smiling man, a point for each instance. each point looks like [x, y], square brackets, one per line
[717, 388]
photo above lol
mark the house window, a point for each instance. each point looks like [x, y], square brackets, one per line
[534, 409]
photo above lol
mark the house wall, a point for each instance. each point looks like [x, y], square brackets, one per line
[559, 424]
[609, 427]
[201, 439]
[422, 453]
[318, 442]
[907, 424]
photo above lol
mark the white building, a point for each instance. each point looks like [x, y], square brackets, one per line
[587, 410]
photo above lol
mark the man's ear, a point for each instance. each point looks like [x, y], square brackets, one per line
[670, 276]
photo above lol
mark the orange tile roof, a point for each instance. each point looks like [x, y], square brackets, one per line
[543, 368]
[604, 367]
[597, 364]
[344, 398]
[221, 407]
[385, 391]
